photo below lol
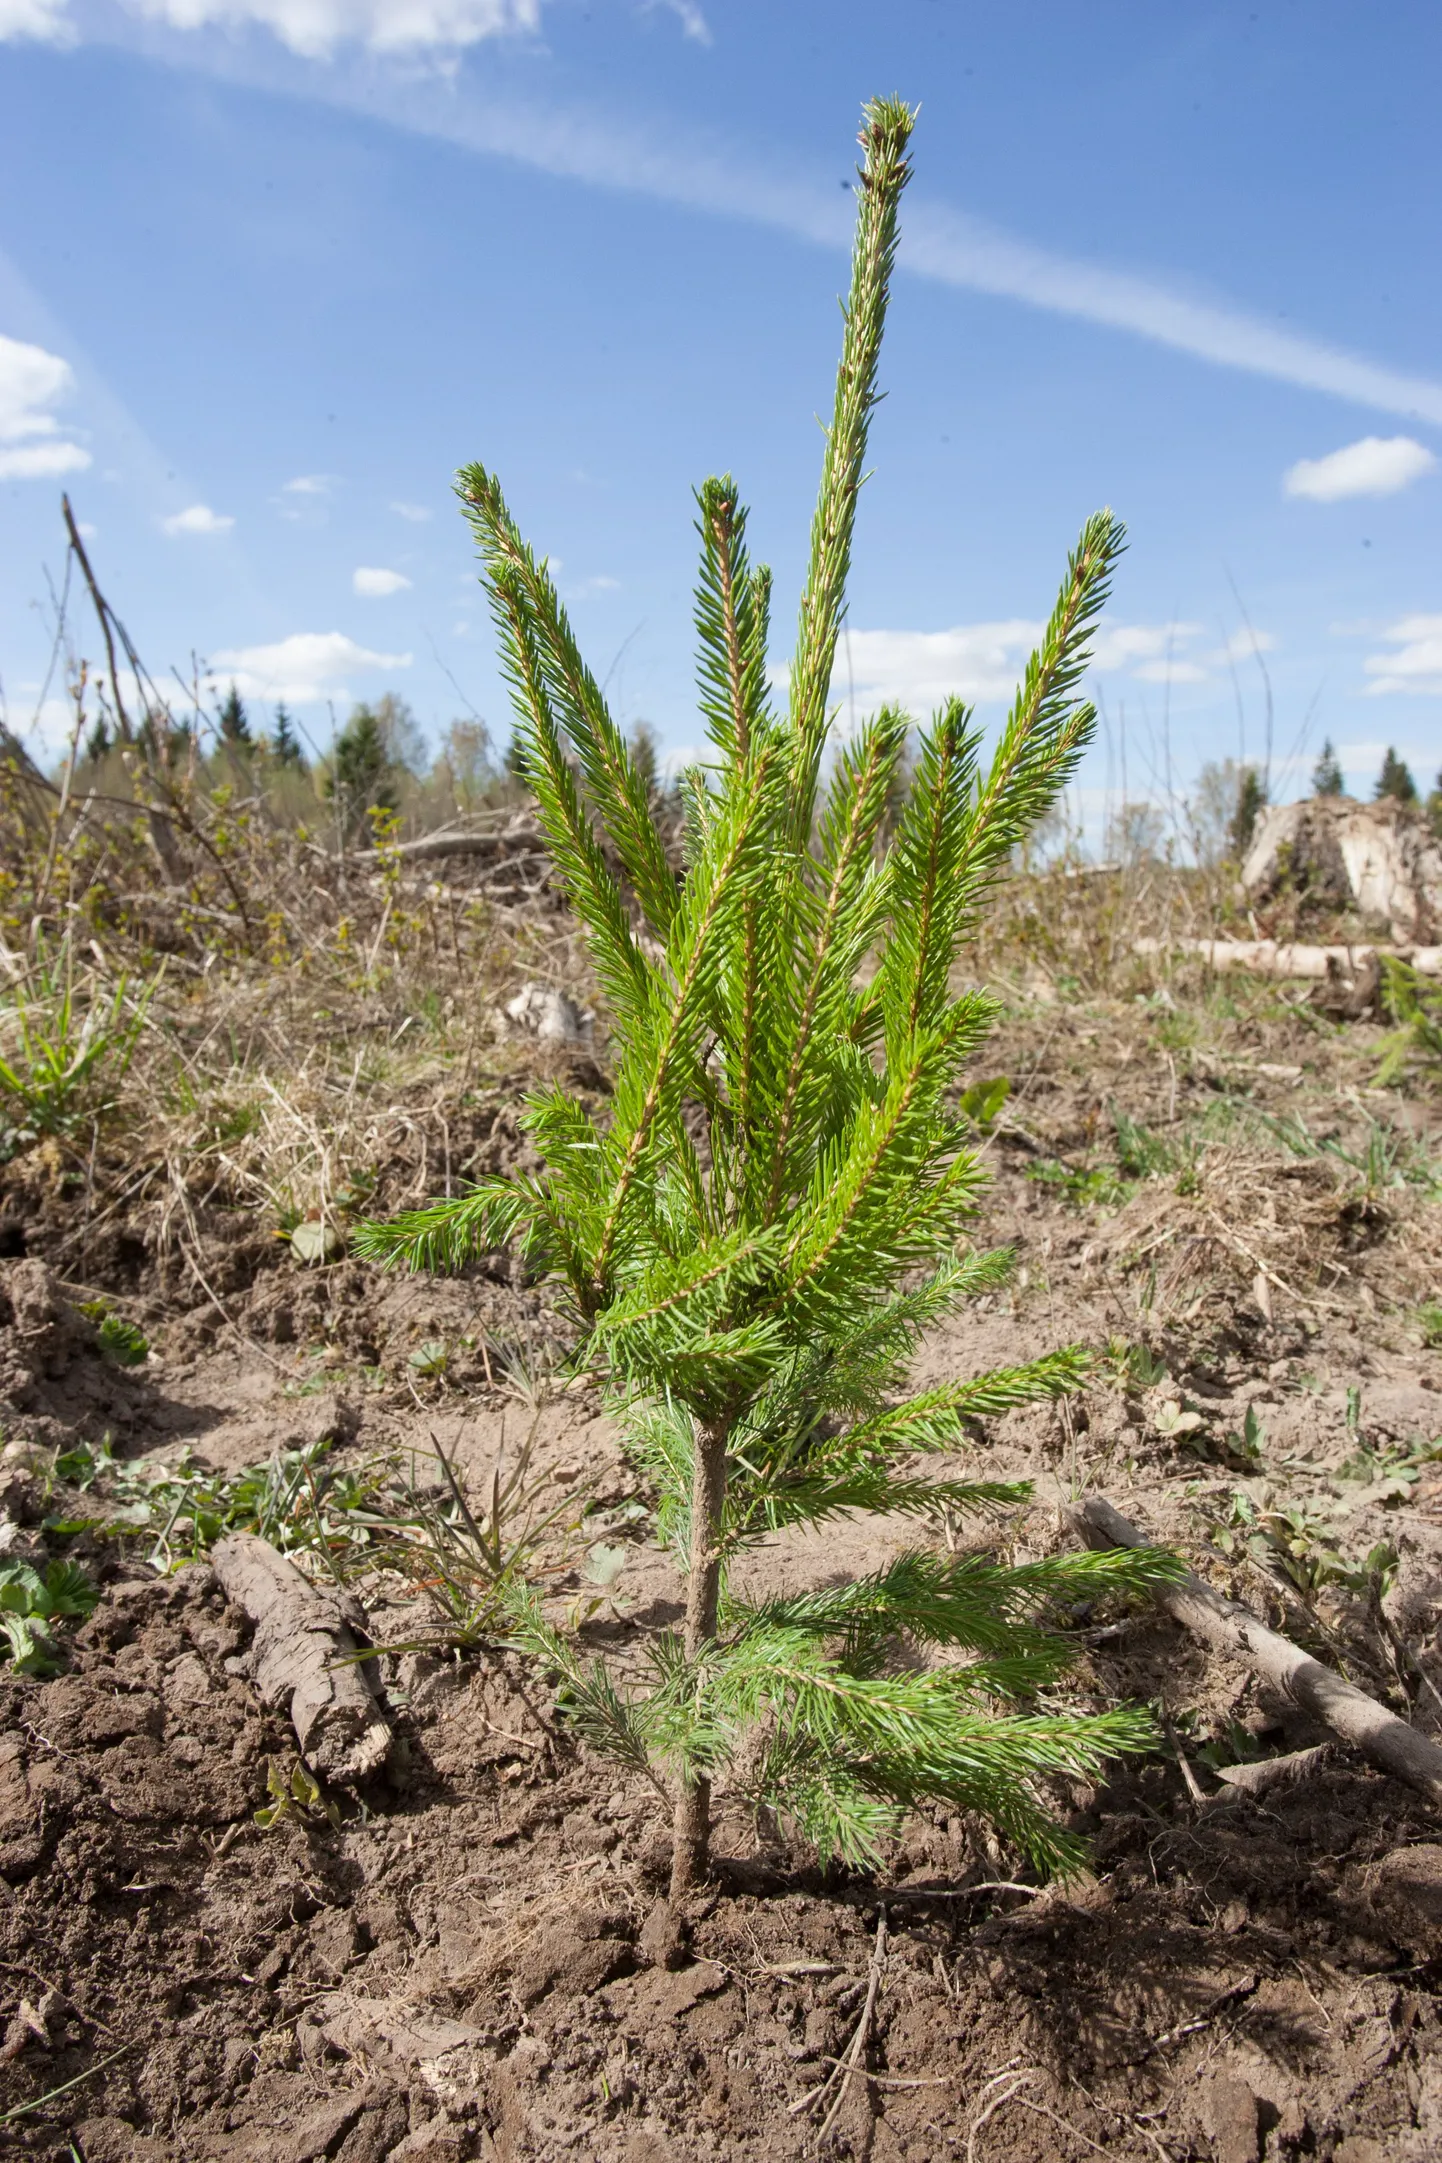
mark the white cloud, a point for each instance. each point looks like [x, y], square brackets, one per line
[1416, 666]
[42, 461]
[43, 19]
[1170, 672]
[1377, 466]
[314, 28]
[198, 518]
[31, 381]
[690, 17]
[375, 584]
[415, 512]
[304, 670]
[308, 484]
[983, 662]
[44, 729]
[961, 250]
[918, 669]
[1243, 645]
[587, 586]
[1119, 645]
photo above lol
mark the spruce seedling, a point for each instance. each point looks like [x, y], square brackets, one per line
[778, 1203]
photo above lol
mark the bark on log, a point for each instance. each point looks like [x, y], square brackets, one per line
[1272, 1772]
[1347, 1712]
[507, 836]
[1270, 957]
[507, 847]
[303, 1656]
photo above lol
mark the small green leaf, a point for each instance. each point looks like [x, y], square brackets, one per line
[125, 1344]
[982, 1102]
[68, 1591]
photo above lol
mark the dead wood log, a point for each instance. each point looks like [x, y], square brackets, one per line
[304, 1657]
[1273, 957]
[508, 847]
[1345, 1711]
[505, 835]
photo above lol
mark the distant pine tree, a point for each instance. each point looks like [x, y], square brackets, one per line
[1327, 778]
[1251, 800]
[516, 757]
[97, 743]
[284, 743]
[642, 748]
[1395, 780]
[233, 721]
[362, 776]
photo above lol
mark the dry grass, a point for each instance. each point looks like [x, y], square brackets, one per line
[317, 1036]
[313, 1027]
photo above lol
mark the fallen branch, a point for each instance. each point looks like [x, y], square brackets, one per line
[1347, 1712]
[304, 1657]
[513, 838]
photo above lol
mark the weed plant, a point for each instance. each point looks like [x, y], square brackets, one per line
[1415, 1041]
[62, 1056]
[779, 1203]
[405, 1527]
[31, 1601]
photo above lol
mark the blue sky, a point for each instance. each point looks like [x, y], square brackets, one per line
[271, 269]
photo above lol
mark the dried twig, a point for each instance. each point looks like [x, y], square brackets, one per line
[852, 2057]
[1012, 2094]
[847, 2064]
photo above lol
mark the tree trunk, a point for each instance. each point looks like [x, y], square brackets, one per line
[691, 1833]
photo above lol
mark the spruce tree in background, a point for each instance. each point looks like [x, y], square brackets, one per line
[515, 760]
[778, 1204]
[645, 762]
[233, 721]
[362, 775]
[1251, 801]
[1395, 780]
[284, 743]
[1327, 776]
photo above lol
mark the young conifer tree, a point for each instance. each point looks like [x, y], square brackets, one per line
[778, 1202]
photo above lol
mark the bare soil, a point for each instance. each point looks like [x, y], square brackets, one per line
[477, 1960]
